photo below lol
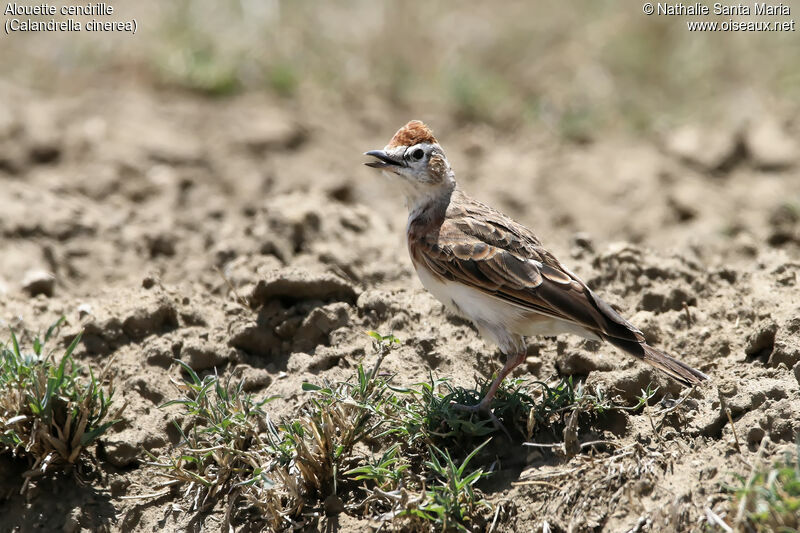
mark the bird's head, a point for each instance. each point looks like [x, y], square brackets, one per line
[416, 158]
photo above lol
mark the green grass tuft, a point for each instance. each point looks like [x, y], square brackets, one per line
[222, 446]
[364, 446]
[769, 500]
[49, 413]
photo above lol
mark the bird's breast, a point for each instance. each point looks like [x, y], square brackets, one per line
[441, 289]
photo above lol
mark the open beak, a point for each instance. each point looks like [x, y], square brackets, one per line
[384, 160]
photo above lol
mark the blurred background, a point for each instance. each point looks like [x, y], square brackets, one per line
[577, 70]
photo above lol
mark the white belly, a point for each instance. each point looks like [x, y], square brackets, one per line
[470, 303]
[488, 312]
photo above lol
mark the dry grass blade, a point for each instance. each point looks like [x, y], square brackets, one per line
[715, 520]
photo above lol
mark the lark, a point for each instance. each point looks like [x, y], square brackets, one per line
[495, 272]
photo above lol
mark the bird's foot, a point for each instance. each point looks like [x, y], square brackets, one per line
[482, 409]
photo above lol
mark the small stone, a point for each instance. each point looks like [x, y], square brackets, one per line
[119, 486]
[150, 316]
[663, 300]
[797, 372]
[533, 364]
[36, 282]
[425, 343]
[761, 340]
[252, 378]
[784, 353]
[709, 149]
[769, 146]
[43, 135]
[784, 227]
[340, 336]
[745, 244]
[755, 435]
[398, 321]
[243, 271]
[781, 421]
[161, 244]
[652, 300]
[44, 152]
[319, 323]
[373, 300]
[203, 355]
[160, 352]
[643, 486]
[729, 389]
[248, 335]
[328, 318]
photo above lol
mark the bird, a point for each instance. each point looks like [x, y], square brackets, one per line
[495, 272]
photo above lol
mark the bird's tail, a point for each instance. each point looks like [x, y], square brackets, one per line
[680, 371]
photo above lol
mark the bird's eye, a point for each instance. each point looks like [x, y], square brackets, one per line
[418, 154]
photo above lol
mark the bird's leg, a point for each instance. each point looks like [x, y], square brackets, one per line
[484, 406]
[512, 362]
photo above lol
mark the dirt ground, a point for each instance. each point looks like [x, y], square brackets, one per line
[121, 207]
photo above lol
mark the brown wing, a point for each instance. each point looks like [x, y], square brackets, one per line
[475, 245]
[479, 247]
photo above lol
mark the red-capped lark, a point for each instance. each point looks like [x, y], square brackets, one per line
[495, 272]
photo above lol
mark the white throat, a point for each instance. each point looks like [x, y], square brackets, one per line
[418, 198]
[419, 195]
